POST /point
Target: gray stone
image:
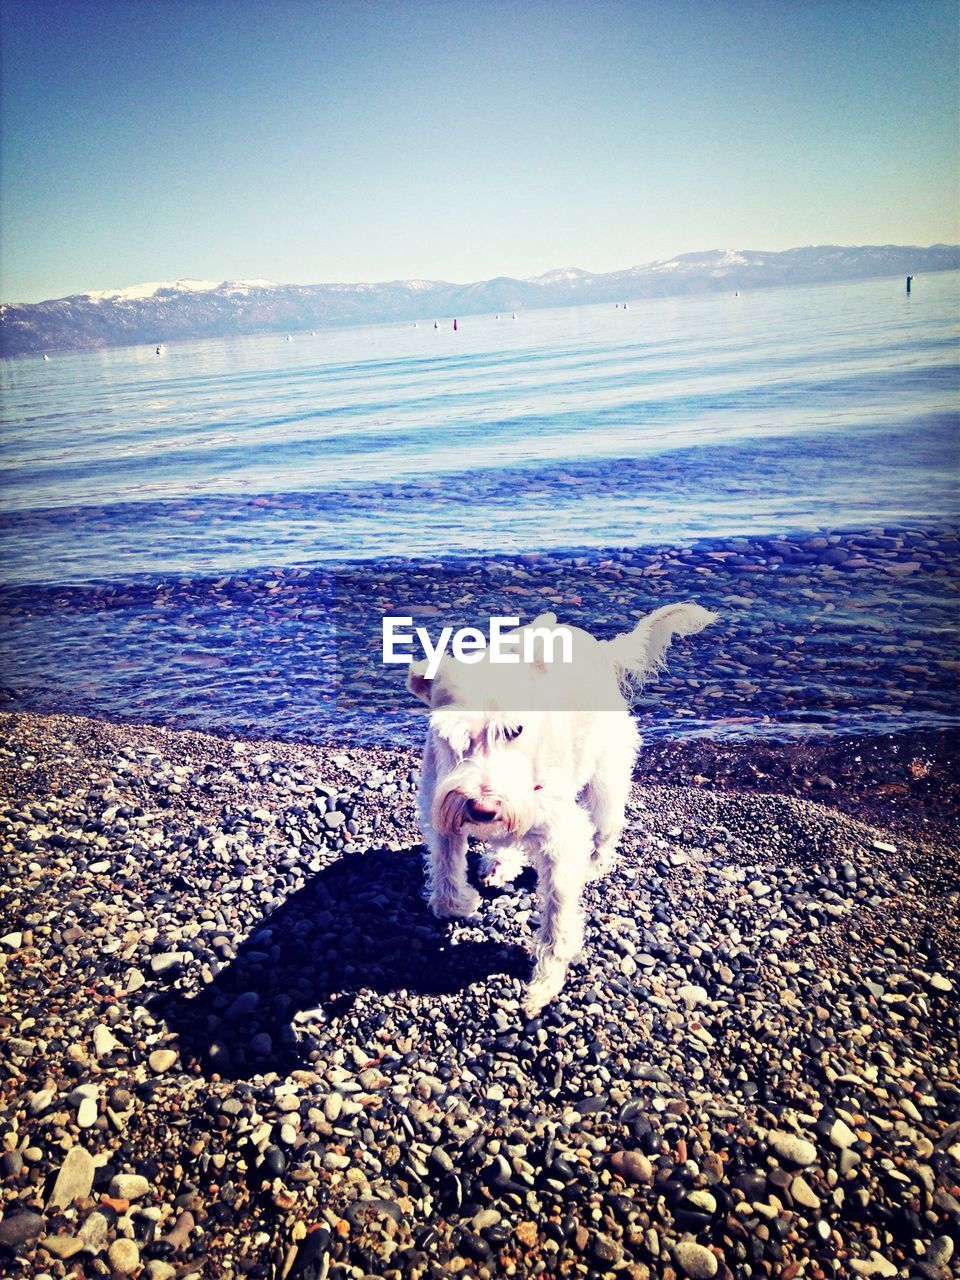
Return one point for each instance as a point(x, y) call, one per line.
point(75, 1179)
point(791, 1149)
point(841, 1135)
point(129, 1186)
point(169, 963)
point(18, 1228)
point(93, 1233)
point(159, 1270)
point(104, 1041)
point(939, 1252)
point(62, 1247)
point(244, 1004)
point(702, 1201)
point(695, 1260)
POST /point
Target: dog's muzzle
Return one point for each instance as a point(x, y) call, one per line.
point(481, 811)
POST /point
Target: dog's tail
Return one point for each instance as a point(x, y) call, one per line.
point(638, 652)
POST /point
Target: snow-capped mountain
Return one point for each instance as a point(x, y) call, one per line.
point(182, 309)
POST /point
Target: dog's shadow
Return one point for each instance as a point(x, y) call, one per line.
point(360, 924)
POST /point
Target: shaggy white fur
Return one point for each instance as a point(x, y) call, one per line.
point(535, 759)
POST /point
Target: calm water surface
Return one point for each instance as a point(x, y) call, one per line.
point(784, 410)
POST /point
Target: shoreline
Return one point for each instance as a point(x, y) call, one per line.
point(223, 993)
point(851, 633)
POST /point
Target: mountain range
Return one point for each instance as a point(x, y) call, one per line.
point(185, 309)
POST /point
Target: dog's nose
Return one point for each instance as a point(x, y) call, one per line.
point(480, 811)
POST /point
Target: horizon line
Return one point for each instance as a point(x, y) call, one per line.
point(261, 282)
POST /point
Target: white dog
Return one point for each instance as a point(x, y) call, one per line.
point(536, 759)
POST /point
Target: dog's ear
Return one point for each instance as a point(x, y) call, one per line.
point(418, 682)
point(641, 650)
point(544, 620)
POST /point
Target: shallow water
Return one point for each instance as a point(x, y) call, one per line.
point(179, 532)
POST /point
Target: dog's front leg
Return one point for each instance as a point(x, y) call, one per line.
point(563, 868)
point(448, 891)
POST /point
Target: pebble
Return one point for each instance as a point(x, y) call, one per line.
point(93, 1233)
point(124, 1257)
point(841, 1135)
point(632, 1166)
point(104, 1041)
point(157, 1269)
point(793, 1150)
point(803, 1195)
point(74, 1180)
point(695, 1260)
point(161, 1060)
point(129, 1186)
point(875, 1265)
point(87, 1112)
point(18, 1227)
point(939, 1251)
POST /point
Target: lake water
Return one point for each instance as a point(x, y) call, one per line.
point(676, 423)
point(783, 410)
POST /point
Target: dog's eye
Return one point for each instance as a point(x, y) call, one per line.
point(513, 731)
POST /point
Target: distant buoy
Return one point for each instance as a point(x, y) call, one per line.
point(455, 326)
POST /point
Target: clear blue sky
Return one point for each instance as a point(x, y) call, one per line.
point(307, 141)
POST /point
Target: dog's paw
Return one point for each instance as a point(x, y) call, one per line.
point(602, 858)
point(452, 908)
point(501, 867)
point(548, 978)
point(532, 1005)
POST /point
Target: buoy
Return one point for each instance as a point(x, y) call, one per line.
point(455, 326)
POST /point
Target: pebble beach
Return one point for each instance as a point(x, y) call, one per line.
point(237, 1044)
